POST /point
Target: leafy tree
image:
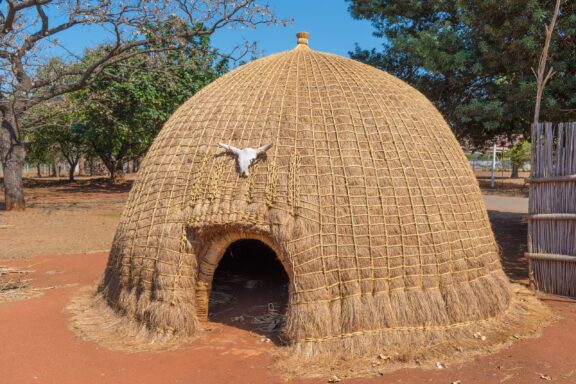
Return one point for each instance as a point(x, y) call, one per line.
point(71, 144)
point(55, 134)
point(474, 59)
point(123, 109)
point(519, 154)
point(40, 152)
point(66, 138)
point(29, 28)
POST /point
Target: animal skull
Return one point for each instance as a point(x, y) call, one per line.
point(246, 156)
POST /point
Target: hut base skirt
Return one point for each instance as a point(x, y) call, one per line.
point(353, 353)
point(370, 352)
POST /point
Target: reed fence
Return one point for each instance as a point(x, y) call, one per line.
point(552, 209)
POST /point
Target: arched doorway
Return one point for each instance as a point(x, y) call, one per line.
point(249, 289)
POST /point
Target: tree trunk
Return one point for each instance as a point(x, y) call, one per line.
point(72, 170)
point(39, 170)
point(515, 169)
point(117, 175)
point(13, 153)
point(115, 167)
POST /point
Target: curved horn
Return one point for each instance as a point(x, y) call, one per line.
point(264, 148)
point(230, 148)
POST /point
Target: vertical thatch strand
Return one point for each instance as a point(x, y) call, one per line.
point(552, 207)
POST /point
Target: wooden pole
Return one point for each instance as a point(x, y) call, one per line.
point(493, 180)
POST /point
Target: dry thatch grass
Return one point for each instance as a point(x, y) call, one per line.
point(93, 320)
point(15, 285)
point(365, 197)
point(438, 345)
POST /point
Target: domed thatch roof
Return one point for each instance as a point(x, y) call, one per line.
point(365, 196)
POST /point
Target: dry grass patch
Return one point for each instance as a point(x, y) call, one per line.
point(15, 285)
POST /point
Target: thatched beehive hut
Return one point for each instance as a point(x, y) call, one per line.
point(365, 196)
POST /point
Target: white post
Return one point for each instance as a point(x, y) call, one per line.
point(493, 166)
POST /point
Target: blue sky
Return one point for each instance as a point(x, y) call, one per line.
point(331, 27)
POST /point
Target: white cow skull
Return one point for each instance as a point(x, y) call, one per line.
point(246, 156)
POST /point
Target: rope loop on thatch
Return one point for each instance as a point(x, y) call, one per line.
point(294, 182)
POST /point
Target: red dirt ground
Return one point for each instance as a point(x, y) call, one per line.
point(38, 347)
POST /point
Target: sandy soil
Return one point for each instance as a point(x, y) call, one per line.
point(62, 218)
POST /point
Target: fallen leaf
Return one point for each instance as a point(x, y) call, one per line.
point(545, 377)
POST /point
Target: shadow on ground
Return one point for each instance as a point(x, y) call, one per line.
point(510, 230)
point(81, 185)
point(99, 185)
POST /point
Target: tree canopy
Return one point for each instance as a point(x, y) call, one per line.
point(59, 135)
point(118, 115)
point(474, 59)
point(121, 112)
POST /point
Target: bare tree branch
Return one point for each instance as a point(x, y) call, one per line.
point(203, 17)
point(541, 76)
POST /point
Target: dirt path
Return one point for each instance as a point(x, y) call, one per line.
point(506, 204)
point(38, 347)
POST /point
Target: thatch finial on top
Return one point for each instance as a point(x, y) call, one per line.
point(302, 38)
